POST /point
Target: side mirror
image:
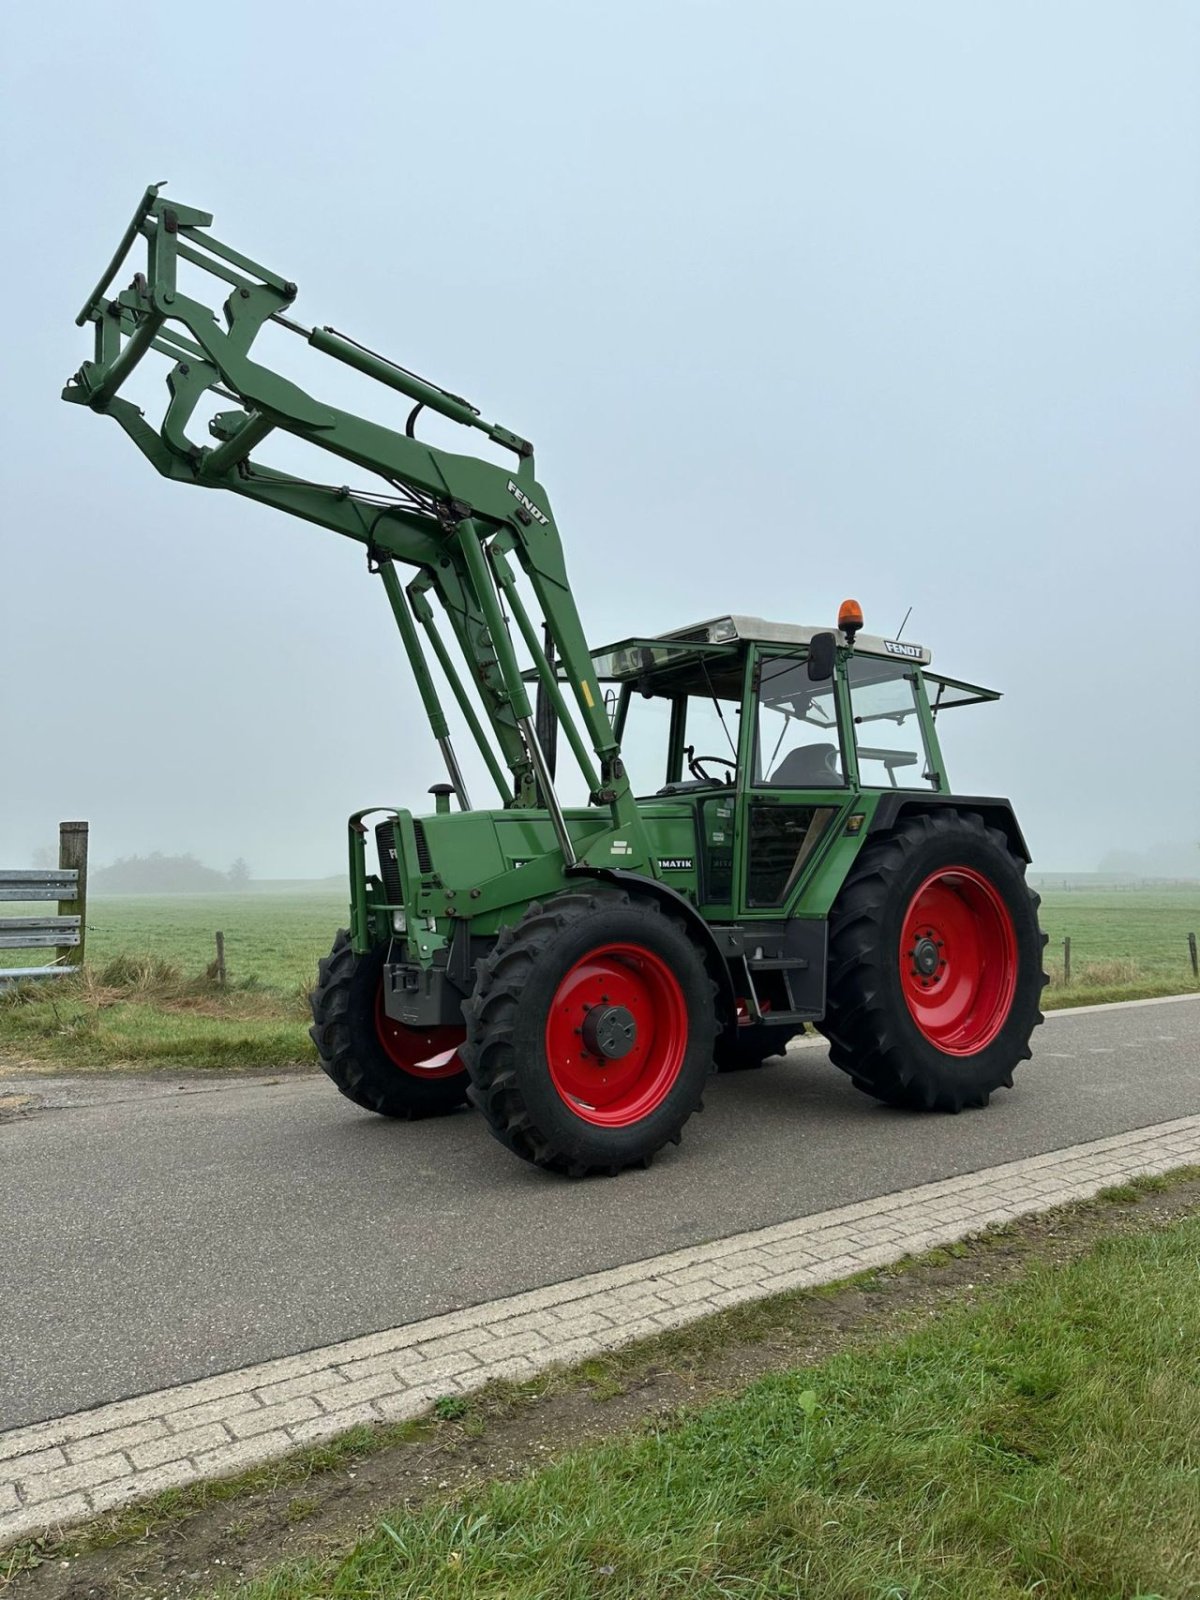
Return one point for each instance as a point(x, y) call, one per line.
point(646, 661)
point(822, 657)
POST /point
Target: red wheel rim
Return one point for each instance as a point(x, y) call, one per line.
point(421, 1052)
point(958, 960)
point(629, 987)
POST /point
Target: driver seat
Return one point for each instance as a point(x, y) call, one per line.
point(811, 766)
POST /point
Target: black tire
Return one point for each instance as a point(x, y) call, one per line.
point(348, 1045)
point(873, 1036)
point(749, 1046)
point(507, 1016)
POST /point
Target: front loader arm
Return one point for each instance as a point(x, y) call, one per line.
point(449, 515)
point(388, 532)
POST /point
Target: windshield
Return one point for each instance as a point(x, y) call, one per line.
point(710, 724)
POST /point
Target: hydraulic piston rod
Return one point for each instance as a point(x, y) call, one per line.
point(425, 683)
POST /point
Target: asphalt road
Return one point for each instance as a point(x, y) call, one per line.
point(153, 1231)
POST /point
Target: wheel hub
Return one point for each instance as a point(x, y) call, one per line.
point(609, 1032)
point(925, 956)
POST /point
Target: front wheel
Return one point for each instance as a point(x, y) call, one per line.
point(935, 965)
point(590, 1033)
point(378, 1063)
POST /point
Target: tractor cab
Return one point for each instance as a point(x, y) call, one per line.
point(772, 732)
point(741, 700)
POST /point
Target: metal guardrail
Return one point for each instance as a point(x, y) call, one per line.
point(63, 931)
point(33, 933)
point(37, 885)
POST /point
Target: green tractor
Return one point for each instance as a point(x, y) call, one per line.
point(790, 853)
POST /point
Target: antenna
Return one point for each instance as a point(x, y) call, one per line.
point(900, 629)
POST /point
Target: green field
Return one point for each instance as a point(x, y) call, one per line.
point(273, 940)
point(146, 999)
point(1120, 939)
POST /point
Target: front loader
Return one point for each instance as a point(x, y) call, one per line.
point(790, 855)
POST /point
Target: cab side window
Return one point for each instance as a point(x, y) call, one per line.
point(888, 736)
point(798, 745)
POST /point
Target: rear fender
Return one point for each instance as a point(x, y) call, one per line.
point(995, 813)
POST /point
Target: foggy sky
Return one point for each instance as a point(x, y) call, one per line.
point(797, 301)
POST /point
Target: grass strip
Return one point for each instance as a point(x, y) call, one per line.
point(1044, 1442)
point(142, 1012)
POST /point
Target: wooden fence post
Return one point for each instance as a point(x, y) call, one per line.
point(1067, 959)
point(220, 961)
point(1192, 953)
point(73, 857)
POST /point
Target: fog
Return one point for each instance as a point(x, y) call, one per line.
point(797, 301)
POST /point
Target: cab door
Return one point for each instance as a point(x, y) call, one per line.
point(791, 805)
point(795, 785)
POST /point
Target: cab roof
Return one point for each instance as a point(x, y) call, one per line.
point(732, 630)
point(722, 630)
point(716, 641)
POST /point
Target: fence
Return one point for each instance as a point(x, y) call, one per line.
point(64, 933)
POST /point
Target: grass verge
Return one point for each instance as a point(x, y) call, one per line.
point(139, 1011)
point(1044, 1443)
point(1004, 1413)
point(1102, 990)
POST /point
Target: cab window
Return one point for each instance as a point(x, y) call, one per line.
point(710, 733)
point(888, 736)
point(645, 741)
point(797, 745)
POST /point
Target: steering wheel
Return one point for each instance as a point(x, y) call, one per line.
point(696, 767)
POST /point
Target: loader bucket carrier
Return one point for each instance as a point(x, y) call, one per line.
point(454, 518)
point(792, 854)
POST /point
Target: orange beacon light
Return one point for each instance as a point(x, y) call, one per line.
point(850, 618)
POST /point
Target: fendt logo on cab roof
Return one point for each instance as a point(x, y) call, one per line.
point(534, 512)
point(912, 651)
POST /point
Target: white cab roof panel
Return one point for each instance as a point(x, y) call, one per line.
point(719, 630)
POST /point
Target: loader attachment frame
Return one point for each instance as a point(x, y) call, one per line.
point(454, 518)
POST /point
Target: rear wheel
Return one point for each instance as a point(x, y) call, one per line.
point(935, 965)
point(590, 1033)
point(378, 1063)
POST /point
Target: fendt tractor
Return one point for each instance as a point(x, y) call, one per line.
point(791, 855)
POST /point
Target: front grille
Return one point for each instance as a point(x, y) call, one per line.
point(389, 867)
point(424, 859)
